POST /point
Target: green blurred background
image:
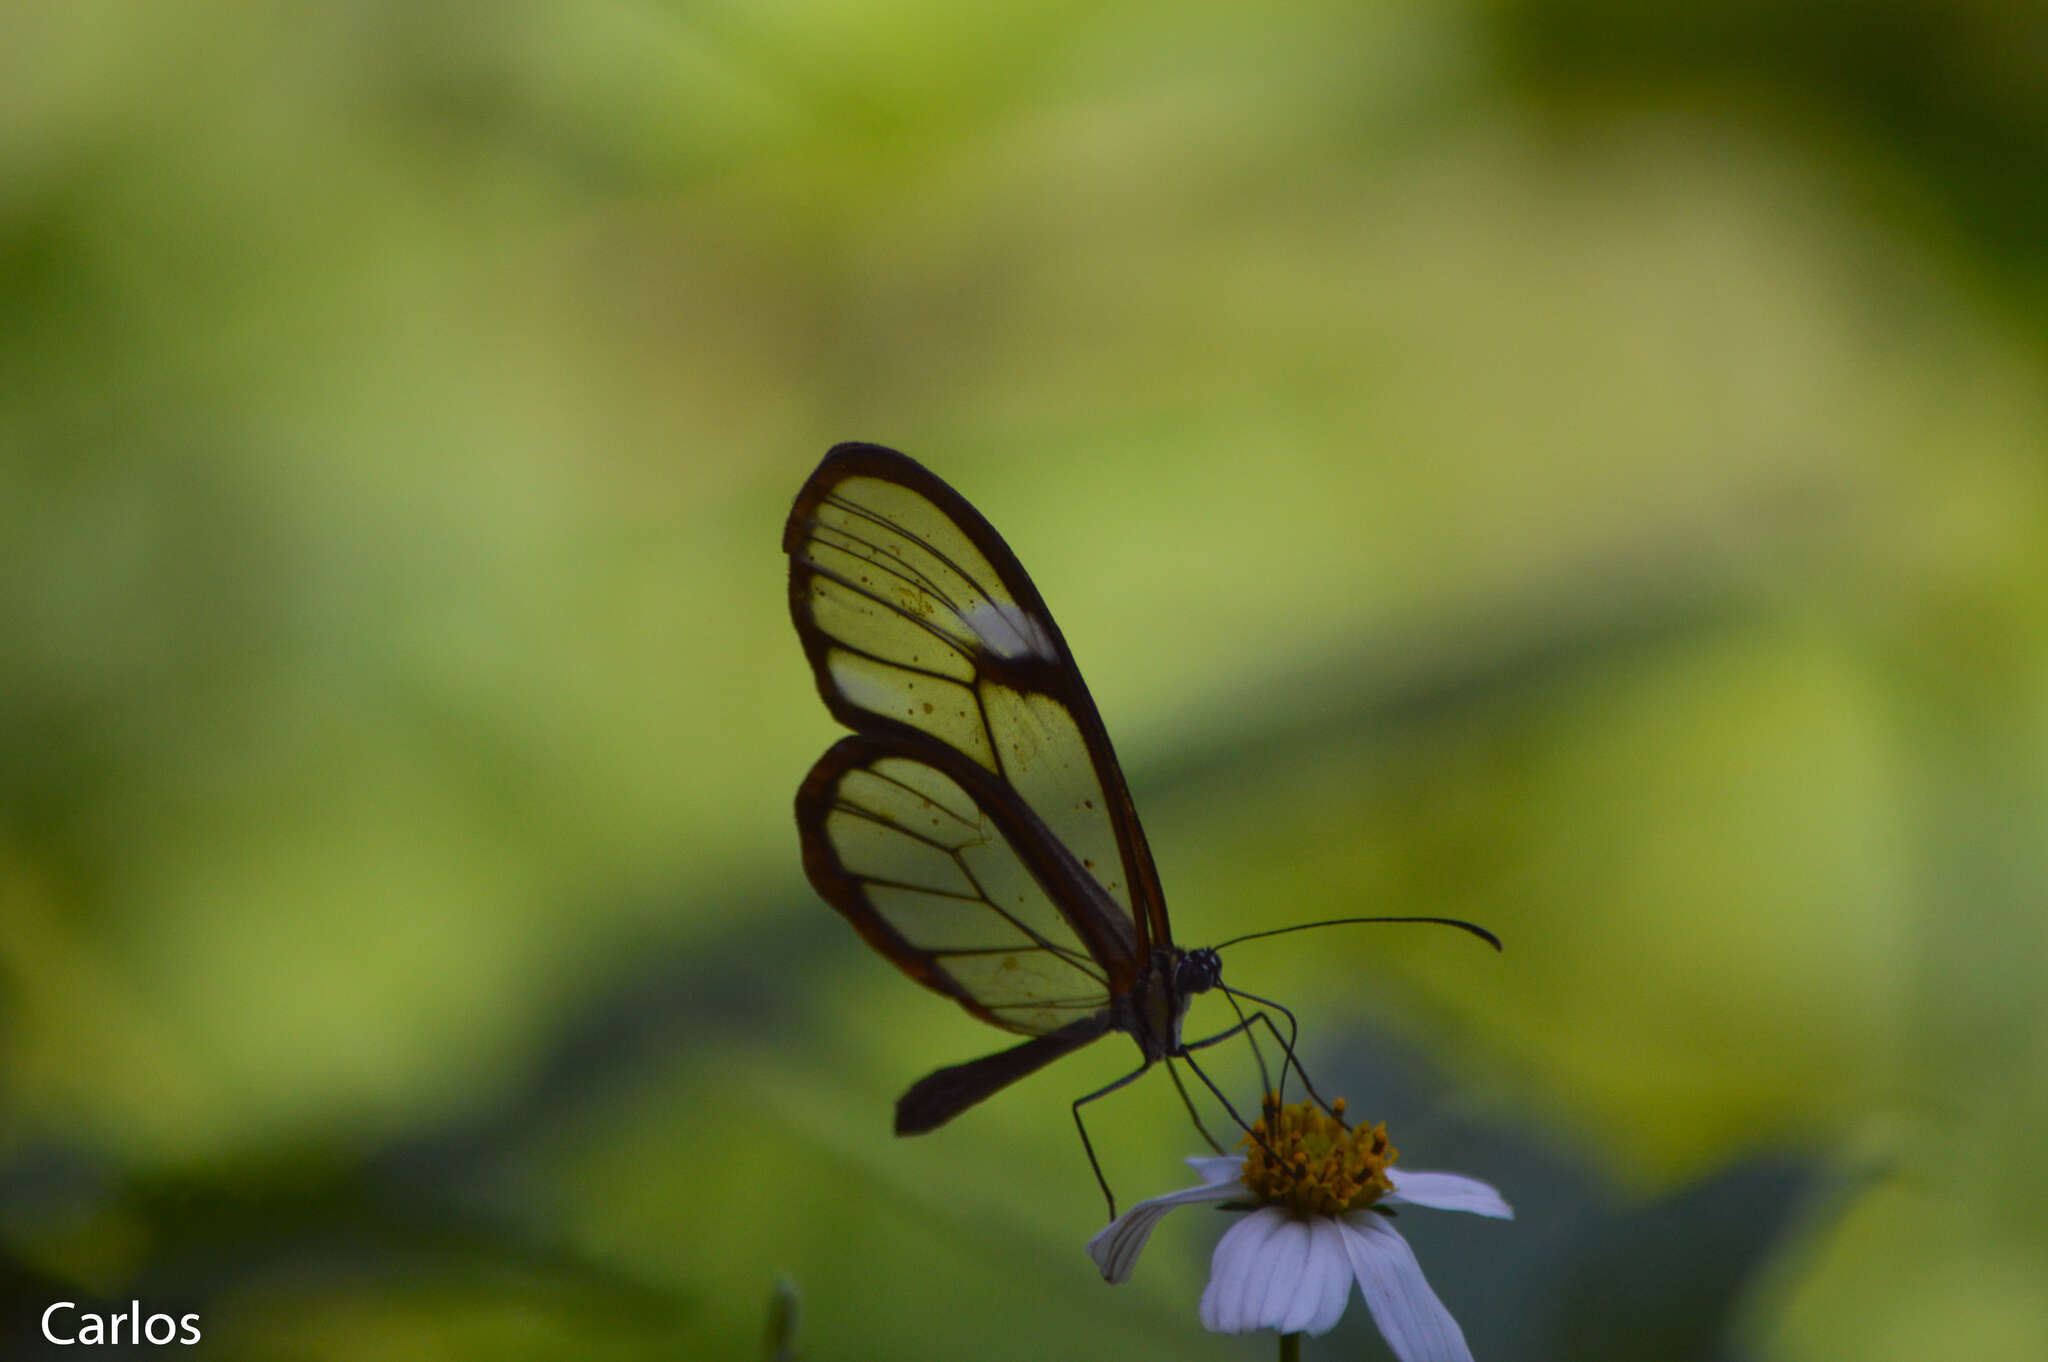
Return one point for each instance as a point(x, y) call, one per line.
point(1568, 464)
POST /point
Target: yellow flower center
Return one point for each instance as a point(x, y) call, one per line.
point(1307, 1159)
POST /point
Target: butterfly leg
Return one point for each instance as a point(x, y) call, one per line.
point(1087, 1145)
point(1286, 1044)
point(1183, 1053)
point(1258, 1055)
point(1189, 1103)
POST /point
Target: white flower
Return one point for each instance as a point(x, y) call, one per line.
point(1315, 1227)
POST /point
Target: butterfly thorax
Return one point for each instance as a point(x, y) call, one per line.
point(1151, 1012)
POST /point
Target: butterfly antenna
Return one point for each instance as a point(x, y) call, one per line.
point(1474, 928)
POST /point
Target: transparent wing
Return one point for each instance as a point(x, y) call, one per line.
point(920, 851)
point(918, 619)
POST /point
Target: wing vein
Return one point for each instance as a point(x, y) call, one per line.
point(876, 518)
point(916, 793)
point(880, 883)
point(1030, 933)
point(833, 575)
point(880, 558)
point(1078, 961)
point(883, 821)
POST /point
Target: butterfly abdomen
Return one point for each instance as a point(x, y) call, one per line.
point(943, 1094)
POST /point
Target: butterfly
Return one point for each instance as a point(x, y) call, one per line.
point(975, 828)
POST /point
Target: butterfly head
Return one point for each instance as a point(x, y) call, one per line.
point(1197, 972)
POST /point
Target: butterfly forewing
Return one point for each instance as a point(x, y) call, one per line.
point(937, 881)
point(919, 620)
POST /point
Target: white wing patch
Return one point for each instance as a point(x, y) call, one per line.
point(1008, 631)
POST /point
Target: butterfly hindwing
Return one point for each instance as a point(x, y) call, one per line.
point(945, 873)
point(919, 621)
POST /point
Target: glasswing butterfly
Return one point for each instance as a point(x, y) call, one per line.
point(975, 827)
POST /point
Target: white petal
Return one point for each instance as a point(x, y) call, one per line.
point(1277, 1275)
point(1411, 1318)
point(1326, 1283)
point(1219, 1168)
point(1447, 1192)
point(1230, 1301)
point(1115, 1248)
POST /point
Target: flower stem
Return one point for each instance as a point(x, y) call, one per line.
point(1290, 1348)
